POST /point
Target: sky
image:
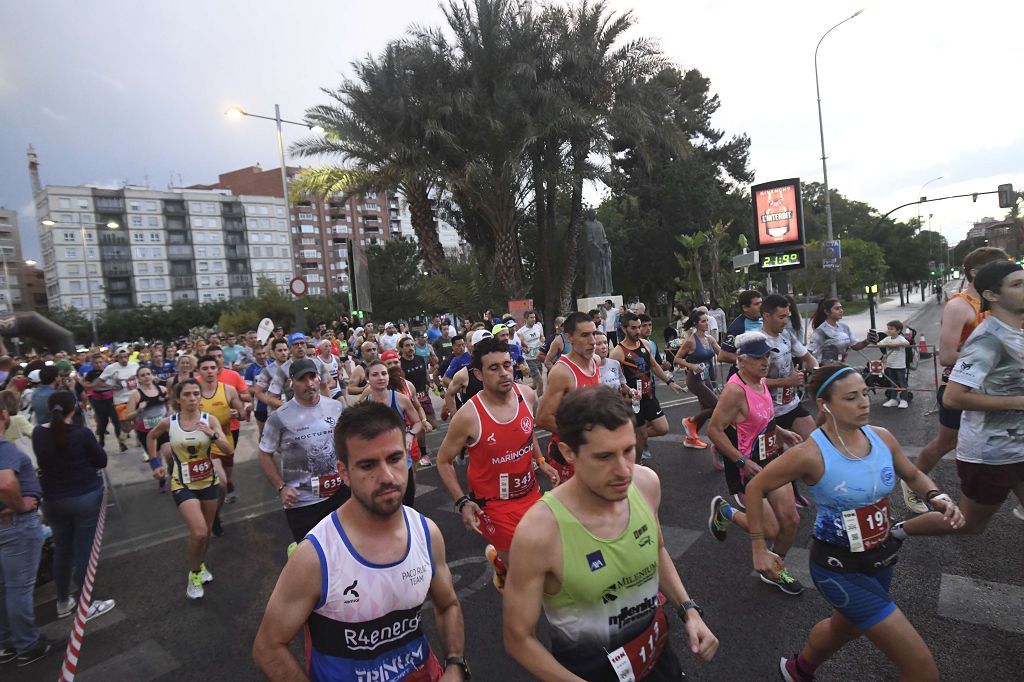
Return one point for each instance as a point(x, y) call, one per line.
point(115, 91)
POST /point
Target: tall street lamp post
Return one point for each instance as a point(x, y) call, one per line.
point(85, 261)
point(824, 167)
point(237, 113)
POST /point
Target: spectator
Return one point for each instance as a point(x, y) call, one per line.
point(21, 543)
point(49, 377)
point(19, 426)
point(69, 457)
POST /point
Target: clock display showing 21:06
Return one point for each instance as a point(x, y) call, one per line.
point(777, 260)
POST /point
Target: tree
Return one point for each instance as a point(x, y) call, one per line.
point(270, 301)
point(692, 260)
point(862, 263)
point(395, 279)
point(74, 320)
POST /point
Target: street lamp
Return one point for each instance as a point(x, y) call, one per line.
point(236, 113)
point(824, 166)
point(111, 224)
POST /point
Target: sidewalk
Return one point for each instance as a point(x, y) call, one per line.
point(889, 309)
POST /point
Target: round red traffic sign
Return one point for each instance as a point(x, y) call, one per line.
point(298, 286)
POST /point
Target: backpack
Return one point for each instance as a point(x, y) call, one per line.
point(910, 334)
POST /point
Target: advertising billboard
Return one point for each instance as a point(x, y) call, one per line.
point(778, 214)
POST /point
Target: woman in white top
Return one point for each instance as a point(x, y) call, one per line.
point(831, 339)
point(611, 370)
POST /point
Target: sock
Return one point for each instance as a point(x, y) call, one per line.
point(898, 532)
point(728, 511)
point(805, 667)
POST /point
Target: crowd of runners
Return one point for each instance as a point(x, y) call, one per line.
point(572, 531)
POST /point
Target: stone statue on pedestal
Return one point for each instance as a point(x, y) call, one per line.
point(597, 254)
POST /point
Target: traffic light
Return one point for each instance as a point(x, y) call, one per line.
point(1007, 198)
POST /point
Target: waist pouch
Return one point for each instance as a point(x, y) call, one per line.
point(841, 560)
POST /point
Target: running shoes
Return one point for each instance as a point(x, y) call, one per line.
point(786, 583)
point(718, 523)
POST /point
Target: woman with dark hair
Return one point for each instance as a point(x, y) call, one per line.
point(147, 406)
point(831, 339)
point(850, 469)
point(69, 459)
point(696, 355)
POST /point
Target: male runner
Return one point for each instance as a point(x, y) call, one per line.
point(531, 337)
point(462, 384)
point(358, 581)
point(223, 402)
point(503, 333)
point(576, 369)
point(300, 432)
point(417, 372)
point(274, 384)
point(602, 597)
point(640, 368)
point(496, 427)
point(367, 355)
point(556, 345)
point(252, 371)
point(784, 379)
point(120, 376)
point(443, 349)
point(747, 321)
point(961, 316)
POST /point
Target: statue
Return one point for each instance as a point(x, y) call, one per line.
point(597, 253)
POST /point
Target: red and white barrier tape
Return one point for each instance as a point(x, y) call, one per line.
point(67, 670)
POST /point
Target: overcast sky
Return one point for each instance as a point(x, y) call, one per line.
point(135, 91)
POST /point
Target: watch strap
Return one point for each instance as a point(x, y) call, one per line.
point(462, 663)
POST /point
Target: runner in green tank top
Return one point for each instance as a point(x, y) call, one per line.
point(592, 556)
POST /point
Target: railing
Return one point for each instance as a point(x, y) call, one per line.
point(183, 282)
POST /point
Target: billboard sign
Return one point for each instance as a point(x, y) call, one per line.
point(778, 214)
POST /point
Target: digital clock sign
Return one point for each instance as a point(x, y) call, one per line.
point(787, 259)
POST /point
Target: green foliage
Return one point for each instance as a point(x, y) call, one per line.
point(862, 263)
point(270, 301)
point(464, 291)
point(395, 279)
point(74, 320)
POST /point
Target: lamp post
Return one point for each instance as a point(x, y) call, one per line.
point(85, 261)
point(824, 165)
point(237, 113)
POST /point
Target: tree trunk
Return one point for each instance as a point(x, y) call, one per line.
point(544, 229)
point(572, 233)
point(715, 269)
point(425, 227)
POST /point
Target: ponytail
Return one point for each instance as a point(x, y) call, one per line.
point(61, 404)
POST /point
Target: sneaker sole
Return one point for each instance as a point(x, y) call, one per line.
point(783, 672)
point(711, 518)
point(781, 587)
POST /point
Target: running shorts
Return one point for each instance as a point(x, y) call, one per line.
point(989, 484)
point(786, 420)
point(536, 367)
point(203, 494)
point(425, 403)
point(650, 410)
point(864, 599)
point(227, 460)
point(499, 519)
point(947, 417)
point(555, 459)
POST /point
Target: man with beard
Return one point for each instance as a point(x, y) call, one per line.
point(417, 371)
point(366, 569)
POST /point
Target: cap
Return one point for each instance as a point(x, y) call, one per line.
point(495, 330)
point(65, 365)
point(121, 349)
point(481, 334)
point(756, 349)
point(296, 336)
point(389, 355)
point(390, 324)
point(300, 368)
point(511, 324)
point(990, 277)
point(33, 376)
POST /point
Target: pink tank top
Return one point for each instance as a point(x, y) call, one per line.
point(760, 413)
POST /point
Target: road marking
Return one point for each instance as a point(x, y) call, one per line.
point(147, 661)
point(678, 540)
point(422, 490)
point(981, 602)
point(797, 566)
point(59, 629)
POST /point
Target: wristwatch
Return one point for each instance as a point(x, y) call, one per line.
point(462, 663)
point(686, 606)
point(741, 461)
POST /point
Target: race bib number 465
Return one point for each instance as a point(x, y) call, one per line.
point(196, 470)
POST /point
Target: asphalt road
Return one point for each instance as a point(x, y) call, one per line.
point(965, 595)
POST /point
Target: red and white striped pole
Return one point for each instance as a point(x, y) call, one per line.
point(70, 666)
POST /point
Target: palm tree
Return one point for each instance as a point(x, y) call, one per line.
point(381, 124)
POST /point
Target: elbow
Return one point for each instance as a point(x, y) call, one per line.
point(953, 400)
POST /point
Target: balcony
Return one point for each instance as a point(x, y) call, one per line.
point(232, 209)
point(121, 301)
point(180, 252)
point(240, 280)
point(175, 208)
point(234, 225)
point(111, 204)
point(241, 292)
point(115, 253)
point(183, 282)
point(177, 238)
point(237, 251)
point(111, 238)
point(117, 269)
point(176, 224)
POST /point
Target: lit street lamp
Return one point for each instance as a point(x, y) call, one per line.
point(824, 166)
point(113, 225)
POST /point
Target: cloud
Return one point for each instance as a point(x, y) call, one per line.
point(50, 113)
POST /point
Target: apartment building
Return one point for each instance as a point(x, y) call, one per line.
point(11, 296)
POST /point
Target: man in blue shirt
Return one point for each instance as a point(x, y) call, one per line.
point(748, 321)
point(434, 330)
point(48, 377)
point(462, 354)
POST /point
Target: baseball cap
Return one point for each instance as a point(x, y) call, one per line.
point(495, 330)
point(511, 324)
point(33, 376)
point(121, 349)
point(296, 336)
point(990, 277)
point(301, 368)
point(757, 348)
point(65, 365)
point(389, 355)
point(481, 334)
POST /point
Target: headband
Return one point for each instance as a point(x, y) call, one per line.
point(832, 378)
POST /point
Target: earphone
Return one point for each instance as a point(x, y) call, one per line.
point(825, 407)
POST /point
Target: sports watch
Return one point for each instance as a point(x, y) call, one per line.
point(686, 606)
point(462, 663)
point(741, 461)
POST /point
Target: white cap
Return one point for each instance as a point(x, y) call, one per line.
point(33, 376)
point(481, 334)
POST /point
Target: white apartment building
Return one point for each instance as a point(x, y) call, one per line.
point(11, 299)
point(146, 247)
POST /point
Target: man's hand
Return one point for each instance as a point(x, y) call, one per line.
point(796, 378)
point(548, 471)
point(445, 413)
point(29, 503)
point(159, 473)
point(752, 468)
point(471, 515)
point(453, 673)
point(703, 642)
point(289, 496)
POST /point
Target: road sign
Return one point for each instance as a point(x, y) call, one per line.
point(745, 260)
point(298, 286)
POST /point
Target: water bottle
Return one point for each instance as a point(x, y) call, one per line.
point(636, 397)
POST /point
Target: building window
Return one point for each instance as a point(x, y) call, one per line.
point(154, 237)
point(158, 268)
point(142, 268)
point(150, 205)
point(201, 252)
point(63, 202)
point(76, 286)
point(305, 216)
point(69, 237)
point(153, 221)
point(136, 221)
point(210, 208)
point(204, 266)
point(73, 269)
point(134, 206)
point(146, 298)
point(67, 217)
point(141, 252)
point(138, 237)
point(84, 204)
point(215, 251)
point(72, 253)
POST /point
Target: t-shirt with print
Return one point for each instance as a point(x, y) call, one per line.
point(122, 379)
point(279, 382)
point(11, 457)
point(785, 398)
point(303, 440)
point(611, 374)
point(831, 344)
point(992, 362)
point(532, 339)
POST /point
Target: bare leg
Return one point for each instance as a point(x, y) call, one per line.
point(768, 521)
point(787, 518)
point(641, 442)
point(976, 518)
point(930, 454)
point(198, 532)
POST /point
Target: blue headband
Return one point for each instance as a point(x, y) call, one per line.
point(832, 378)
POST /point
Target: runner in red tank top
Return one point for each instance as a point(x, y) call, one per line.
point(496, 428)
point(577, 369)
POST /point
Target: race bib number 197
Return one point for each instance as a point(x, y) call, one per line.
point(868, 526)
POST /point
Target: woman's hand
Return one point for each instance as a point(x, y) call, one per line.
point(768, 563)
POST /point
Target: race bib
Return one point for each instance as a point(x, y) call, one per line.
point(635, 659)
point(326, 485)
point(196, 470)
point(784, 395)
point(868, 526)
point(703, 371)
point(421, 396)
point(148, 423)
point(512, 486)
point(768, 445)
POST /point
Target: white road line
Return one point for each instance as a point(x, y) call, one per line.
point(996, 605)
